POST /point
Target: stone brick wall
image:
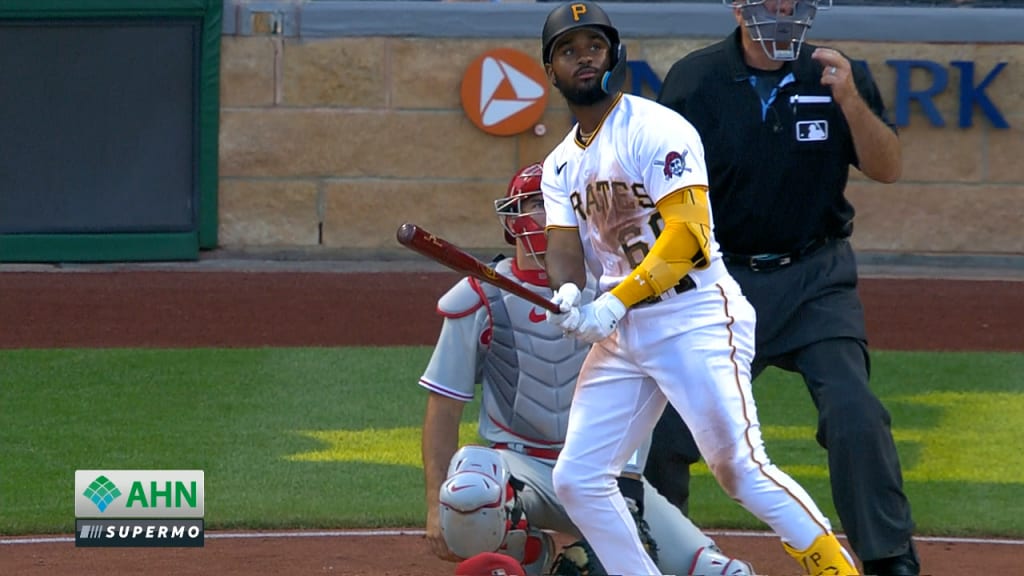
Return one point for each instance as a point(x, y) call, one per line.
point(333, 143)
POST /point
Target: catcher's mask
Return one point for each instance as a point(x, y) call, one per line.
point(574, 15)
point(517, 223)
point(779, 25)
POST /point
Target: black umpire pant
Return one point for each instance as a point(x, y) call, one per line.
point(853, 425)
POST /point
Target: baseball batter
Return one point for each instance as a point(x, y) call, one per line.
point(501, 497)
point(629, 184)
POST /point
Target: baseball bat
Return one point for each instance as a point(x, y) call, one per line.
point(443, 252)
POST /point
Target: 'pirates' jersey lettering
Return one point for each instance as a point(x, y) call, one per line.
point(642, 197)
point(621, 196)
point(596, 197)
point(577, 205)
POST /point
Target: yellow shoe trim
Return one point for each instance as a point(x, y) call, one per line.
point(825, 557)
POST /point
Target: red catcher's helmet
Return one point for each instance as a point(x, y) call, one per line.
point(489, 564)
point(517, 224)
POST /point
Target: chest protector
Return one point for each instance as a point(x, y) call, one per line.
point(530, 368)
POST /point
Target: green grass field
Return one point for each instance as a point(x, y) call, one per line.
point(329, 437)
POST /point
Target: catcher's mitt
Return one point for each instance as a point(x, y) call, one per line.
point(577, 559)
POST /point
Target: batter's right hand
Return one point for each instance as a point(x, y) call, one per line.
point(435, 538)
point(599, 318)
point(567, 298)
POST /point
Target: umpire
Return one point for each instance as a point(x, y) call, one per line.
point(781, 124)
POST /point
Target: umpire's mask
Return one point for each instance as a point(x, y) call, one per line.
point(779, 25)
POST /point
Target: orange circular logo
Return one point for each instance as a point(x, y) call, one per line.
point(504, 92)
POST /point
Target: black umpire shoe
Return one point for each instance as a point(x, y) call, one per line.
point(906, 564)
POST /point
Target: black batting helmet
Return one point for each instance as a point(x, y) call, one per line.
point(573, 15)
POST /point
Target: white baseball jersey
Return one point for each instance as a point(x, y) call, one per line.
point(609, 188)
point(692, 348)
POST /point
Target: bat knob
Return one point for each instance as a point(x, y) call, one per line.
point(405, 233)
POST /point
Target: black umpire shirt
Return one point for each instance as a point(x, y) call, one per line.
point(777, 168)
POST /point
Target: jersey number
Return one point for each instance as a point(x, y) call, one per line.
point(637, 249)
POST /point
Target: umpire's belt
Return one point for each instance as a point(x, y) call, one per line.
point(769, 262)
point(685, 283)
point(545, 453)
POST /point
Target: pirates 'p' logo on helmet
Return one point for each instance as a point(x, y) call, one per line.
point(573, 16)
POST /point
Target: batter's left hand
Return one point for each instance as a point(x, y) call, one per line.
point(836, 74)
point(567, 298)
point(599, 318)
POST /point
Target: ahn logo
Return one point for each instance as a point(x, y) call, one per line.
point(504, 92)
point(102, 492)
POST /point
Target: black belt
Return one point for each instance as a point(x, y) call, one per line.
point(686, 283)
point(769, 262)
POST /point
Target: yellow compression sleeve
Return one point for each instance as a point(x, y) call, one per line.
point(682, 246)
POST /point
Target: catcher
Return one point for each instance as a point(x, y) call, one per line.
point(499, 497)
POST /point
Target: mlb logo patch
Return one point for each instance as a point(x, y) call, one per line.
point(812, 130)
